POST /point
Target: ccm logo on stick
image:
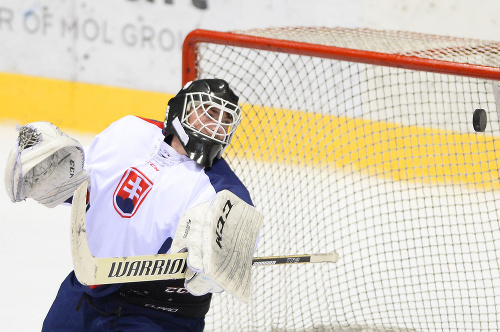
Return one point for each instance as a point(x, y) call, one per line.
point(221, 222)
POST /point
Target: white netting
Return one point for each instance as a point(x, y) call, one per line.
point(379, 164)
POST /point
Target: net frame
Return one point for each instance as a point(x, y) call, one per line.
point(392, 307)
point(397, 60)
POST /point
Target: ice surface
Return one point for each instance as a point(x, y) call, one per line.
point(35, 250)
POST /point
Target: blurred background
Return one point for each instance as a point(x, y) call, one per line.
point(84, 63)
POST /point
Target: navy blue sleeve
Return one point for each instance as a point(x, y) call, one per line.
point(222, 177)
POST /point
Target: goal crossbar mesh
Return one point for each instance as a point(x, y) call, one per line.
point(366, 148)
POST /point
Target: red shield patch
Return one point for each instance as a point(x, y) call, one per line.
point(131, 192)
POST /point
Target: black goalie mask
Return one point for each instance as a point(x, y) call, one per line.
point(204, 116)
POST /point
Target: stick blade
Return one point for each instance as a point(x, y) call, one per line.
point(83, 262)
point(91, 270)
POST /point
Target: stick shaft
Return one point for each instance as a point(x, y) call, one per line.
point(168, 266)
point(295, 259)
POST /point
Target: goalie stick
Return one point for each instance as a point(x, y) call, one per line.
point(91, 270)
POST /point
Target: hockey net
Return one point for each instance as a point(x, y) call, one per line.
point(362, 142)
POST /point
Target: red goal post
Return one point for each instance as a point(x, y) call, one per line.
point(189, 55)
point(361, 141)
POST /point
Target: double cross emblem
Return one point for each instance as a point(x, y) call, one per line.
point(133, 188)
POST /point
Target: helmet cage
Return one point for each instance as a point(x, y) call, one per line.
point(204, 116)
point(212, 117)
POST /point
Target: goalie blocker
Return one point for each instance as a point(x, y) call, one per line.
point(219, 239)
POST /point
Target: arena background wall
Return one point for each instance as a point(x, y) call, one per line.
point(84, 63)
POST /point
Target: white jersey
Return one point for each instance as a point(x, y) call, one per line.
point(140, 187)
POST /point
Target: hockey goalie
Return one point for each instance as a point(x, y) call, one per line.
point(149, 188)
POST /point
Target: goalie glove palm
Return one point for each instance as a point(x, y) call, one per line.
point(45, 165)
point(189, 237)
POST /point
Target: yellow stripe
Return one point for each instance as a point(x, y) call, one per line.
point(71, 105)
point(377, 148)
point(273, 135)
